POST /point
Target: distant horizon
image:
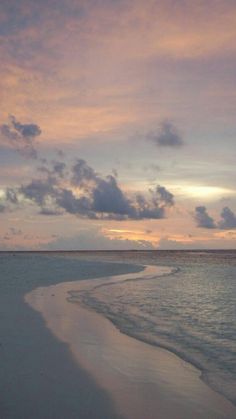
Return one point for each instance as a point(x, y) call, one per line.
point(117, 250)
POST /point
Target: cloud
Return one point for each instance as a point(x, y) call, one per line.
point(166, 197)
point(59, 168)
point(95, 240)
point(82, 173)
point(49, 211)
point(38, 190)
point(15, 231)
point(2, 207)
point(9, 200)
point(109, 198)
point(55, 169)
point(154, 208)
point(79, 190)
point(66, 199)
point(20, 136)
point(11, 196)
point(166, 136)
point(227, 221)
point(203, 219)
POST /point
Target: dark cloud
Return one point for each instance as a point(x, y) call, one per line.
point(89, 195)
point(20, 136)
point(155, 206)
point(148, 208)
point(166, 136)
point(105, 194)
point(203, 219)
point(228, 219)
point(55, 169)
point(66, 199)
point(11, 196)
point(82, 173)
point(164, 196)
point(26, 130)
point(108, 198)
point(38, 190)
point(9, 200)
point(59, 168)
point(2, 207)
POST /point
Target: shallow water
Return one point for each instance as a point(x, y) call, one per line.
point(192, 311)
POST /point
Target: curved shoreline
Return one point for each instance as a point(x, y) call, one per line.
point(148, 270)
point(39, 378)
point(60, 292)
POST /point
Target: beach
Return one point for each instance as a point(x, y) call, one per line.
point(63, 358)
point(38, 376)
point(142, 381)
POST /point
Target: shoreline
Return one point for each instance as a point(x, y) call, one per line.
point(212, 404)
point(38, 377)
point(162, 271)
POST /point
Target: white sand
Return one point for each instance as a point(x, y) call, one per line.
point(144, 382)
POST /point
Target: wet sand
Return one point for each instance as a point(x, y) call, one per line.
point(144, 382)
point(39, 379)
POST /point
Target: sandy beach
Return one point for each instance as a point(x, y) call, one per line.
point(39, 379)
point(142, 382)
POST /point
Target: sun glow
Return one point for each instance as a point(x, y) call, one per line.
point(136, 235)
point(202, 191)
point(2, 193)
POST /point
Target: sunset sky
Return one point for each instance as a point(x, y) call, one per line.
point(117, 124)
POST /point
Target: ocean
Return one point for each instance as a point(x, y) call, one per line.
point(189, 309)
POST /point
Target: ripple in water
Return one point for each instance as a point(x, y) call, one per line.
point(191, 311)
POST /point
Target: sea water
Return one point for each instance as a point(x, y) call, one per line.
point(191, 311)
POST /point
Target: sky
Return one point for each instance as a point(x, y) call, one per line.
point(117, 124)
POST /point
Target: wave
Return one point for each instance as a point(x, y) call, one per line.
point(137, 322)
